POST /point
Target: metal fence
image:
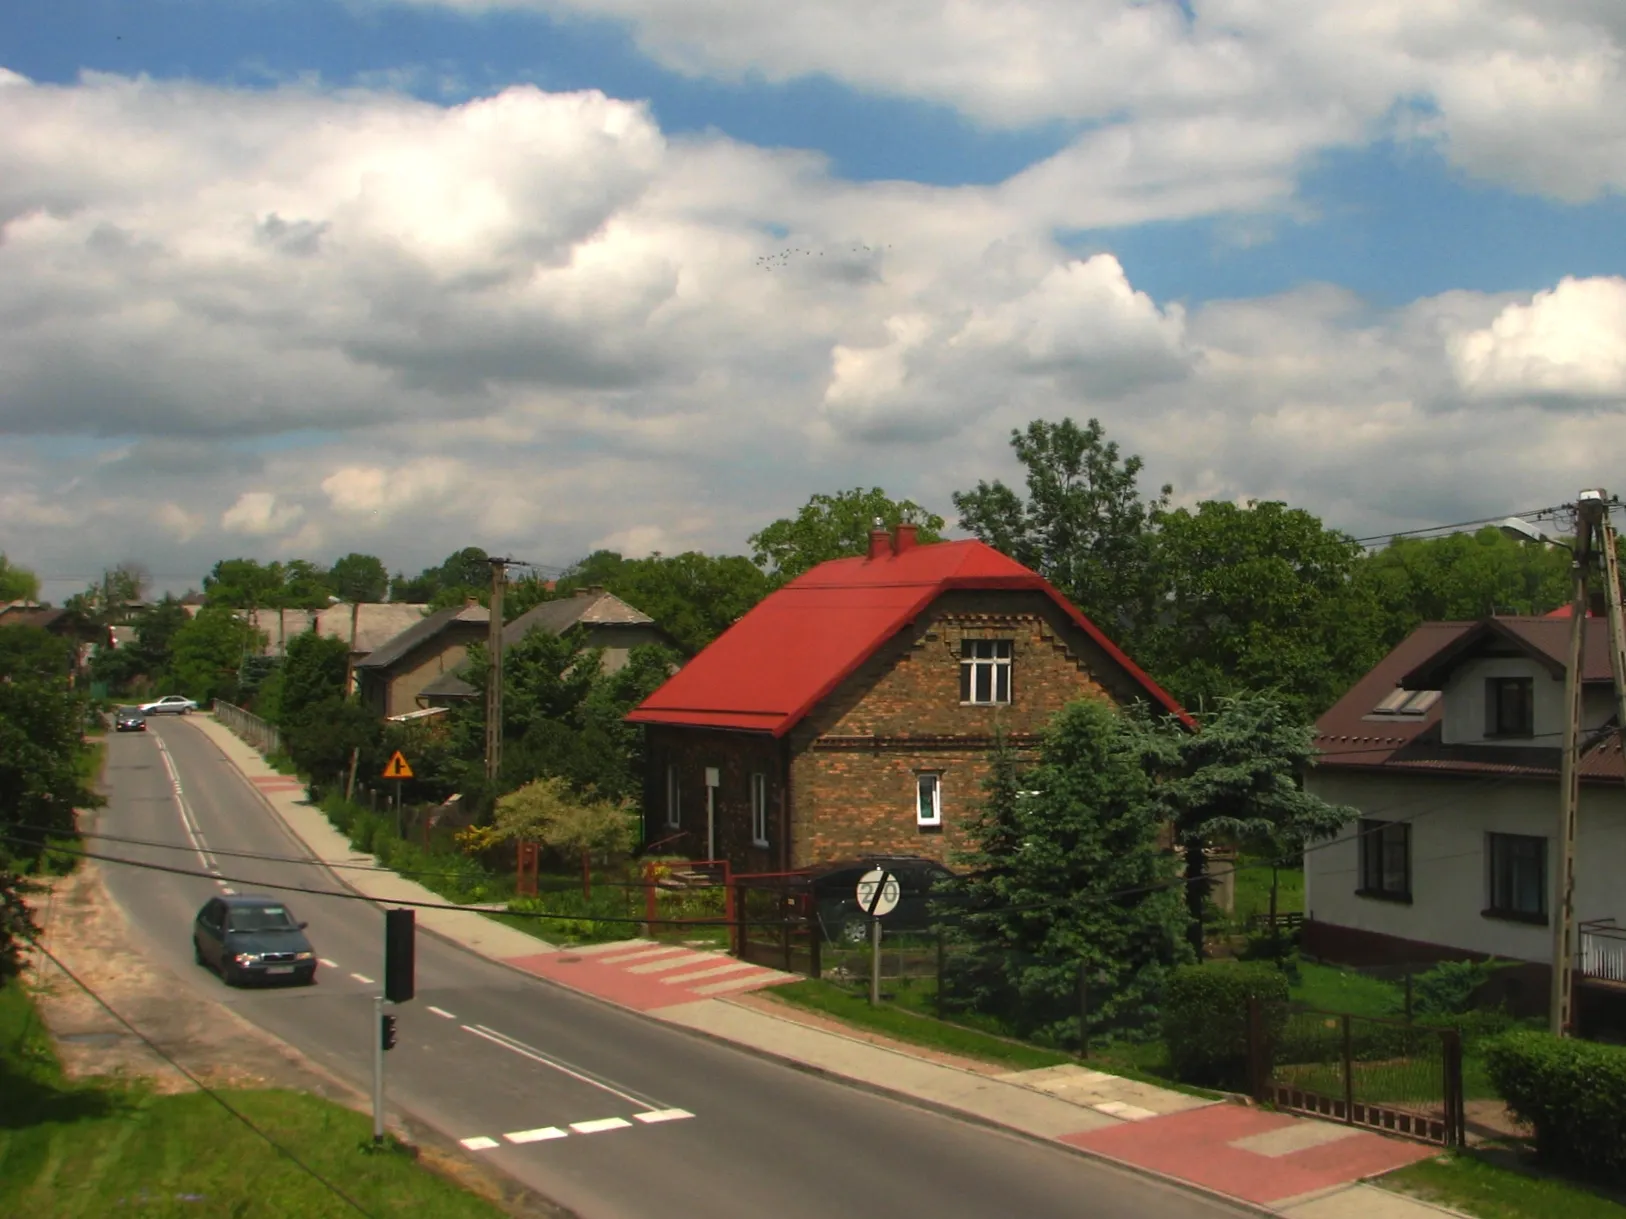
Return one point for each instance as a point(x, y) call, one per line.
point(1386, 1075)
point(1603, 950)
point(259, 733)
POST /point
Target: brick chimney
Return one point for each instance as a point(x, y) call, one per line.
point(880, 541)
point(904, 537)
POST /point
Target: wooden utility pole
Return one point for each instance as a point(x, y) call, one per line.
point(499, 578)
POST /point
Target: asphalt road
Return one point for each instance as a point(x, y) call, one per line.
point(486, 1052)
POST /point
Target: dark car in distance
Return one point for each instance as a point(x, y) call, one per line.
point(833, 891)
point(252, 939)
point(129, 719)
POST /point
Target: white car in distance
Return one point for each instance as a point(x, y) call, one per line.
point(170, 704)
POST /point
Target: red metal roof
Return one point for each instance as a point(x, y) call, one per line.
point(776, 663)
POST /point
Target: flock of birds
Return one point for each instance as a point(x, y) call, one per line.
point(774, 262)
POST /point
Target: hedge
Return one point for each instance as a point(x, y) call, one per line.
point(1573, 1093)
point(1205, 1019)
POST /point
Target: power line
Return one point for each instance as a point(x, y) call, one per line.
point(199, 1084)
point(1533, 514)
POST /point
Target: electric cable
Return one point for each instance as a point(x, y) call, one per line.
point(199, 1084)
point(1534, 514)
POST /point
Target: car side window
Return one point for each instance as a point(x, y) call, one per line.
point(214, 915)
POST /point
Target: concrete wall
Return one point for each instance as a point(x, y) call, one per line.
point(1450, 817)
point(1464, 703)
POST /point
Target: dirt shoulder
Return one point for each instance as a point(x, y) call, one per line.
point(86, 931)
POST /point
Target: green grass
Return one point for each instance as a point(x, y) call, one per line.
point(1253, 891)
point(1337, 990)
point(95, 1148)
point(90, 760)
point(1491, 1191)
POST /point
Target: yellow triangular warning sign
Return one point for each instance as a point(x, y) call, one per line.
point(397, 767)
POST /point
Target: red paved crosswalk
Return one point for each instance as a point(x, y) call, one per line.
point(644, 975)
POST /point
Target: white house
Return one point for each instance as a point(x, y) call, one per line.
point(1450, 750)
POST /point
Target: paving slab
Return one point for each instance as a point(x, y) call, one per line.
point(1085, 1086)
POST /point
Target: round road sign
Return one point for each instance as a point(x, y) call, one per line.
point(878, 892)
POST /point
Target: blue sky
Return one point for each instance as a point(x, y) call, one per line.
point(1371, 262)
point(1390, 223)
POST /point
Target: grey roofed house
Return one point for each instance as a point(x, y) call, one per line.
point(390, 677)
point(610, 623)
point(368, 625)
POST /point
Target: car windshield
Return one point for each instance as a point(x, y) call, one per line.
point(260, 918)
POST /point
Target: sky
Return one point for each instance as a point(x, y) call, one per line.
point(294, 278)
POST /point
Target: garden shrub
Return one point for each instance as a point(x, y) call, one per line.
point(1572, 1093)
point(1449, 988)
point(1205, 1019)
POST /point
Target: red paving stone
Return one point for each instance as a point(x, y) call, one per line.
point(610, 978)
point(1195, 1146)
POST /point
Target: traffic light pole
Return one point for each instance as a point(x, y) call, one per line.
point(378, 1070)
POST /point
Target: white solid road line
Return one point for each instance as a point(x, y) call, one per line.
point(480, 1143)
point(193, 831)
point(663, 1115)
point(601, 1125)
point(363, 979)
point(445, 1015)
point(542, 1134)
point(535, 1055)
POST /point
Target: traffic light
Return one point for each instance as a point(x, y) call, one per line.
point(400, 952)
point(386, 1032)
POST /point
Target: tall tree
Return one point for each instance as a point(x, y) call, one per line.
point(1068, 874)
point(245, 584)
point(693, 597)
point(17, 583)
point(304, 586)
point(28, 653)
point(111, 598)
point(359, 578)
point(207, 653)
point(1257, 597)
point(1237, 782)
point(1083, 526)
point(834, 527)
point(313, 673)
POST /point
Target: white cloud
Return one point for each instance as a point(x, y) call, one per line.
point(1529, 93)
point(1566, 343)
point(258, 514)
point(303, 324)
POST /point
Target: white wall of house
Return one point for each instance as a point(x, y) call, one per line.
point(1451, 817)
point(1464, 703)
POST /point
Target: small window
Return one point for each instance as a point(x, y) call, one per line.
point(985, 671)
point(1510, 707)
point(1518, 876)
point(1385, 860)
point(674, 813)
point(929, 799)
point(1392, 702)
point(759, 809)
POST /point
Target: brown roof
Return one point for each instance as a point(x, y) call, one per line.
point(1350, 735)
point(420, 631)
point(588, 607)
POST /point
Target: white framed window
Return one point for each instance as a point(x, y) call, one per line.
point(759, 810)
point(674, 812)
point(928, 799)
point(985, 671)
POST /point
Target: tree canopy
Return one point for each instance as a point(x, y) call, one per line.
point(31, 653)
point(359, 578)
point(693, 597)
point(834, 527)
point(17, 583)
point(1084, 524)
point(207, 653)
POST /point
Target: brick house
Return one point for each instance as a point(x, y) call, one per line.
point(853, 711)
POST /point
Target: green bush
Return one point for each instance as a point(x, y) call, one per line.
point(1573, 1093)
point(1205, 1019)
point(1449, 988)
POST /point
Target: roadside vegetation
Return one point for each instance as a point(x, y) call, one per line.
point(86, 1149)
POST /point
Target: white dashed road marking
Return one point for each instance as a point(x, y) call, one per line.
point(229, 892)
point(535, 1136)
point(363, 979)
point(328, 963)
point(663, 1115)
point(601, 1124)
point(444, 1015)
point(480, 1143)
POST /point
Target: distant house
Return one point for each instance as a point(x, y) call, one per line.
point(853, 711)
point(607, 622)
point(1450, 749)
point(391, 675)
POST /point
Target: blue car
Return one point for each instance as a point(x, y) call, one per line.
point(252, 939)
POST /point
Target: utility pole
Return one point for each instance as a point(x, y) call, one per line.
point(1591, 521)
point(499, 578)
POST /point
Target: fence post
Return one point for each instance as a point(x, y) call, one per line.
point(1455, 1107)
point(815, 948)
point(937, 996)
point(1349, 1073)
point(1083, 1010)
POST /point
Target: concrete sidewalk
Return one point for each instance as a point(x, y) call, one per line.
point(1271, 1163)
